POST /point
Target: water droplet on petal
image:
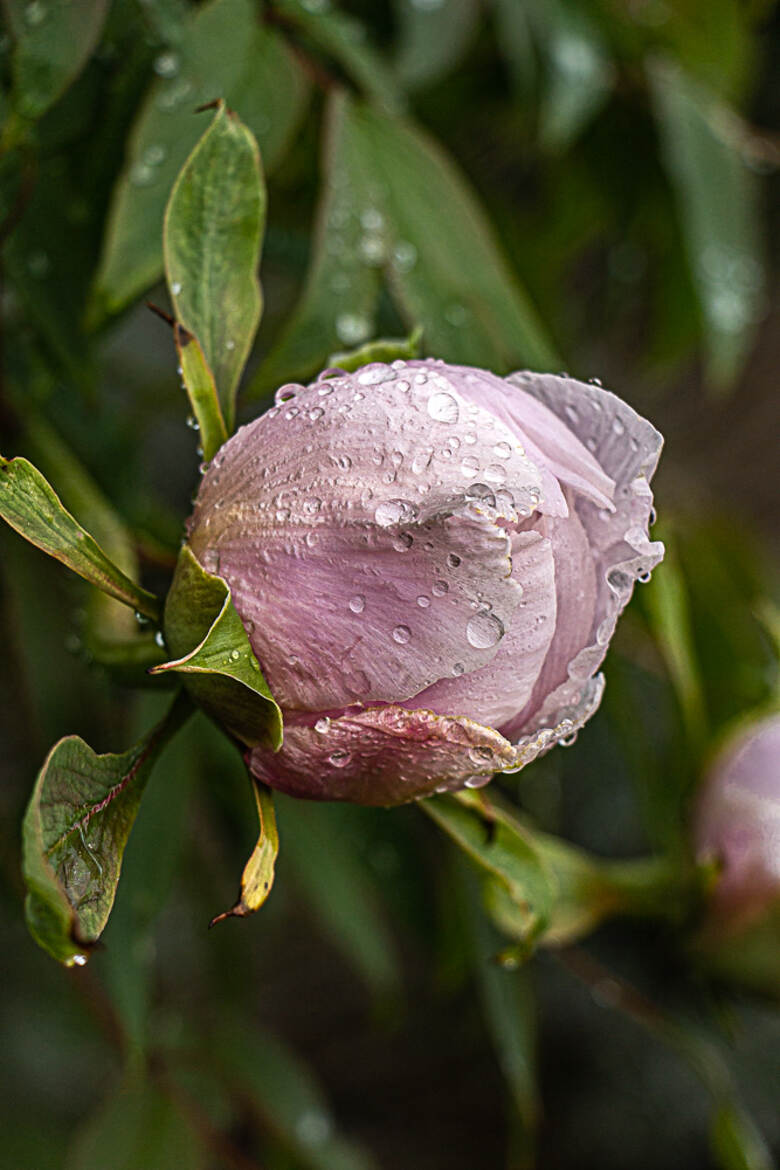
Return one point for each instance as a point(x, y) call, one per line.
point(469, 464)
point(458, 669)
point(502, 450)
point(322, 725)
point(403, 541)
point(443, 407)
point(402, 634)
point(453, 560)
point(423, 601)
point(439, 588)
point(484, 630)
point(339, 759)
point(357, 603)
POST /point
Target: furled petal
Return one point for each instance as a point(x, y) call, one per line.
point(381, 756)
point(551, 440)
point(497, 691)
point(357, 525)
point(627, 447)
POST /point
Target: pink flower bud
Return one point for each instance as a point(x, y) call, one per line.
point(429, 561)
point(737, 822)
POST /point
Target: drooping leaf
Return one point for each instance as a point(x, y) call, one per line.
point(258, 875)
point(444, 266)
point(347, 904)
point(283, 1090)
point(226, 52)
point(212, 234)
point(383, 350)
point(29, 504)
point(111, 632)
point(395, 202)
point(343, 38)
point(717, 197)
point(201, 391)
point(75, 830)
point(668, 607)
point(578, 71)
point(432, 38)
point(52, 43)
point(502, 848)
point(338, 302)
point(736, 1142)
point(137, 1126)
point(508, 1005)
point(215, 656)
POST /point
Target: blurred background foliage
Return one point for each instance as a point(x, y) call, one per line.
point(549, 183)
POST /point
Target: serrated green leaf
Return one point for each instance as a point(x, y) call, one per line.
point(344, 39)
point(505, 850)
point(225, 51)
point(201, 391)
point(338, 303)
point(717, 197)
point(75, 830)
point(215, 656)
point(258, 876)
point(432, 38)
point(29, 504)
point(137, 1126)
point(212, 234)
point(382, 350)
point(52, 43)
point(444, 266)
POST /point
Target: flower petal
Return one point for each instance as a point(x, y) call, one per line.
point(357, 526)
point(628, 447)
point(381, 756)
point(550, 440)
point(496, 692)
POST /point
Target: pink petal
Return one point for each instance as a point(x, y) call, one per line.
point(628, 447)
point(497, 691)
point(381, 756)
point(357, 525)
point(551, 441)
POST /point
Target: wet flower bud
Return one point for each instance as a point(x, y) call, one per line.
point(737, 825)
point(429, 561)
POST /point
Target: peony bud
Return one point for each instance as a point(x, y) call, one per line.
point(429, 561)
point(737, 823)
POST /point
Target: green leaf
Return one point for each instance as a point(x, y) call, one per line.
point(513, 28)
point(383, 350)
point(29, 504)
point(111, 634)
point(344, 39)
point(668, 607)
point(322, 851)
point(215, 656)
point(137, 1126)
point(394, 202)
point(444, 266)
point(432, 38)
point(286, 1094)
point(201, 391)
point(505, 850)
point(578, 73)
point(337, 306)
point(52, 42)
point(717, 197)
point(509, 1008)
point(225, 51)
point(258, 875)
point(212, 234)
point(75, 830)
point(736, 1143)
